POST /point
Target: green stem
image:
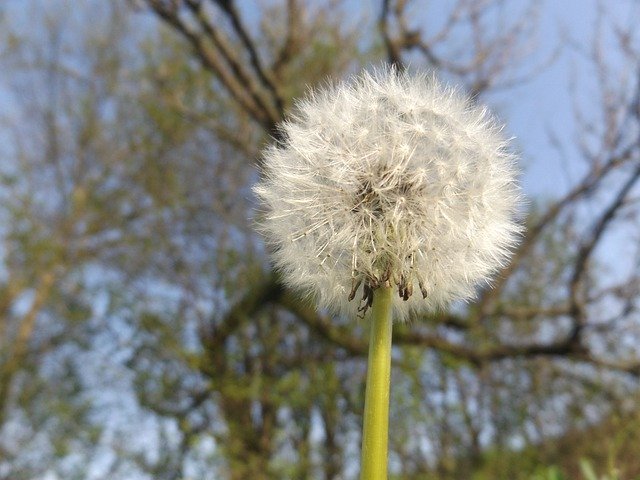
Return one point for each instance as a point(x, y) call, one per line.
point(375, 431)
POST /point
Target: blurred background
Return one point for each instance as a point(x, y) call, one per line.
point(143, 334)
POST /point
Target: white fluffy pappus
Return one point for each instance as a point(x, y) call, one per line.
point(389, 179)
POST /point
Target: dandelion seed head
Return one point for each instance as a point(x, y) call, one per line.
point(389, 179)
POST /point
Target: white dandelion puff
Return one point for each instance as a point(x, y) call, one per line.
point(389, 179)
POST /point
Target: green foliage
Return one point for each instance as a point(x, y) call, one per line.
point(552, 473)
point(587, 471)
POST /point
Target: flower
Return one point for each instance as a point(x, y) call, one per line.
point(389, 179)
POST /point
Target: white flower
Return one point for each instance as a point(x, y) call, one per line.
point(389, 179)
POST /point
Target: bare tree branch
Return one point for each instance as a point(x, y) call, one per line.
point(267, 79)
point(217, 56)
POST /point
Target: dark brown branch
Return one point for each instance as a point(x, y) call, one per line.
point(587, 247)
point(323, 326)
point(270, 291)
point(586, 187)
point(227, 51)
point(528, 312)
point(343, 338)
point(567, 347)
point(291, 43)
point(211, 61)
point(229, 7)
point(394, 56)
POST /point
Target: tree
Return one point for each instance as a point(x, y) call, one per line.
point(139, 195)
point(556, 255)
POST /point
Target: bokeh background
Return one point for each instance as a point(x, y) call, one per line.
point(143, 333)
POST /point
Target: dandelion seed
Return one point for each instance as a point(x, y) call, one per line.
point(389, 179)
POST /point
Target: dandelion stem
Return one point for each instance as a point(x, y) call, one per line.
point(375, 432)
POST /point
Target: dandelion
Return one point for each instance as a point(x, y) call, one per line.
point(388, 182)
point(389, 179)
